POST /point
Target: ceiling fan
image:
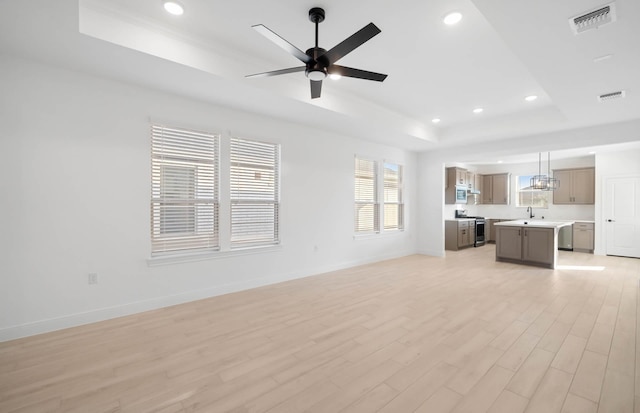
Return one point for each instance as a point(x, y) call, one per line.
point(319, 62)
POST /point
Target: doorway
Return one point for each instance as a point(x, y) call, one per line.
point(622, 216)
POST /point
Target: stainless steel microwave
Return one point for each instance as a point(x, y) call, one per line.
point(461, 194)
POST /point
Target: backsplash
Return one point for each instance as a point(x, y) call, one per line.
point(554, 212)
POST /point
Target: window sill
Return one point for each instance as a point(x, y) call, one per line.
point(210, 255)
point(387, 233)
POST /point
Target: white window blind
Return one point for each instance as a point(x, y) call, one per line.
point(393, 210)
point(255, 193)
point(184, 190)
point(366, 196)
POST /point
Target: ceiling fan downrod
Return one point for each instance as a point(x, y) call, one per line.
point(316, 69)
point(316, 15)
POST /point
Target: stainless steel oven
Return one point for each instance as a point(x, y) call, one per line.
point(480, 226)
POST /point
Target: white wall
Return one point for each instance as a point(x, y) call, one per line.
point(431, 175)
point(75, 190)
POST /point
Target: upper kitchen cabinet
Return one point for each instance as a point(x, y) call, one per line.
point(471, 181)
point(495, 189)
point(455, 177)
point(577, 186)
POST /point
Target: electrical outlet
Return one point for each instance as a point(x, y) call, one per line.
point(93, 278)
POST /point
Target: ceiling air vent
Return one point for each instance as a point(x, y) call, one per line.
point(593, 19)
point(611, 96)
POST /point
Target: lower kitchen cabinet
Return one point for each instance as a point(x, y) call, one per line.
point(583, 236)
point(510, 245)
point(459, 233)
point(538, 245)
point(528, 245)
point(490, 235)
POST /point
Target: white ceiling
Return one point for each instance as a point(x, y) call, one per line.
point(499, 53)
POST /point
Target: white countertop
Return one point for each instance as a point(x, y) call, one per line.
point(589, 221)
point(538, 223)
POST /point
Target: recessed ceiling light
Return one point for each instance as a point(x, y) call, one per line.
point(500, 161)
point(435, 120)
point(592, 152)
point(478, 110)
point(452, 18)
point(531, 98)
point(173, 7)
point(335, 77)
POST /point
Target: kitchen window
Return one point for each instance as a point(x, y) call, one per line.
point(526, 196)
point(184, 190)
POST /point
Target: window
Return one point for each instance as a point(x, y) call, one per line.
point(393, 207)
point(528, 196)
point(366, 196)
point(184, 190)
point(255, 193)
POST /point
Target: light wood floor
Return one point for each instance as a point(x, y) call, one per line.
point(423, 334)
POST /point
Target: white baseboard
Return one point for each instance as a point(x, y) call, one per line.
point(102, 314)
point(432, 253)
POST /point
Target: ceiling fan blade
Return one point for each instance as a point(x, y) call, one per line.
point(278, 72)
point(316, 87)
point(352, 42)
point(351, 72)
point(266, 32)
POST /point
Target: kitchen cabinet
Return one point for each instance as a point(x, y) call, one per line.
point(454, 177)
point(487, 186)
point(538, 245)
point(510, 245)
point(466, 233)
point(583, 236)
point(527, 245)
point(459, 233)
point(495, 189)
point(471, 181)
point(577, 186)
point(491, 229)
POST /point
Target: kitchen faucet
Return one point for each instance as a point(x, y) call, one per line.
point(530, 211)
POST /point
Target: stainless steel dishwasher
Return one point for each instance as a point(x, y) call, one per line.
point(565, 238)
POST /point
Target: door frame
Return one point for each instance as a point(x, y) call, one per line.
point(601, 233)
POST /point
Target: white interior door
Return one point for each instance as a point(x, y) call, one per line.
point(622, 216)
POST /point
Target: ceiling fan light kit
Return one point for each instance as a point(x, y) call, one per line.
point(320, 63)
point(173, 7)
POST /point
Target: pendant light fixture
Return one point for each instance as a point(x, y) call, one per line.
point(551, 184)
point(544, 182)
point(538, 181)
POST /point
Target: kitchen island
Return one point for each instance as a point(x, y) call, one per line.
point(529, 242)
